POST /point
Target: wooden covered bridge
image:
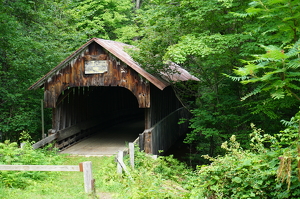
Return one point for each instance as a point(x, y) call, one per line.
point(100, 86)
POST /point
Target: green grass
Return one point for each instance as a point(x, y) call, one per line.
point(59, 185)
point(150, 179)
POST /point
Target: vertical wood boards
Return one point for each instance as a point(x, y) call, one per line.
point(167, 131)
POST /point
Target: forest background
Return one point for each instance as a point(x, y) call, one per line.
point(245, 54)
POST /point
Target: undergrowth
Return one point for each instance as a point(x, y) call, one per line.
point(12, 154)
point(255, 173)
point(162, 177)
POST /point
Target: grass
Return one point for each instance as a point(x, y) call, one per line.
point(59, 185)
point(150, 179)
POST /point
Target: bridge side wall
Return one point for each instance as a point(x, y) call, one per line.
point(166, 132)
point(162, 128)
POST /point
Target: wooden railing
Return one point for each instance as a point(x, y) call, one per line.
point(164, 133)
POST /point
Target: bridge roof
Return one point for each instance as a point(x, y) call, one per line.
point(118, 50)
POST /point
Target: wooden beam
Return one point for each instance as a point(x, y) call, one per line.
point(44, 141)
point(85, 167)
point(39, 167)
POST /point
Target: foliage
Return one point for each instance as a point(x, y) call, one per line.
point(11, 154)
point(205, 39)
point(34, 37)
point(276, 72)
point(107, 19)
point(164, 177)
point(249, 173)
point(208, 38)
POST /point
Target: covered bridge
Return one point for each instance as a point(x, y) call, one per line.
point(100, 85)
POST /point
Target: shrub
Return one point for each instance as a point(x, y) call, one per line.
point(11, 154)
point(162, 177)
point(247, 173)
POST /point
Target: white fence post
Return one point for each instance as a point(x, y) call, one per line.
point(86, 168)
point(131, 154)
point(119, 160)
point(22, 145)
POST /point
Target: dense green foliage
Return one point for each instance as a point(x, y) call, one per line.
point(107, 19)
point(209, 38)
point(252, 173)
point(12, 154)
point(163, 177)
point(33, 37)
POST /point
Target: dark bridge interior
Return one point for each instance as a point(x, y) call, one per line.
point(111, 102)
point(94, 110)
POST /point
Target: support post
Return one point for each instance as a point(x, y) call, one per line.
point(86, 167)
point(119, 160)
point(42, 112)
point(131, 154)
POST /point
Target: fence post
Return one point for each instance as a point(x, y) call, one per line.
point(119, 158)
point(131, 154)
point(22, 145)
point(88, 176)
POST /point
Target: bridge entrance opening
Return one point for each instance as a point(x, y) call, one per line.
point(114, 115)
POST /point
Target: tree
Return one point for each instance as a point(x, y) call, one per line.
point(209, 39)
point(107, 19)
point(276, 70)
point(274, 74)
point(206, 40)
point(33, 40)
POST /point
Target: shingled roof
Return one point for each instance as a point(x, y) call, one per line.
point(118, 50)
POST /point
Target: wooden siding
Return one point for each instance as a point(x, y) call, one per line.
point(161, 121)
point(166, 132)
point(118, 74)
point(162, 104)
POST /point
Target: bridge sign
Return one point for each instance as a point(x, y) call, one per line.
point(96, 66)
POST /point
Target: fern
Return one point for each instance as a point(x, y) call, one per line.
point(254, 92)
point(236, 78)
point(278, 94)
point(294, 64)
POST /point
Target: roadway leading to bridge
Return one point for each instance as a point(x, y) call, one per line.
point(108, 141)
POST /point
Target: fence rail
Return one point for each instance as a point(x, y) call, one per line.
point(39, 168)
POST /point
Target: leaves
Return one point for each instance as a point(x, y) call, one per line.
point(102, 19)
point(249, 173)
point(273, 71)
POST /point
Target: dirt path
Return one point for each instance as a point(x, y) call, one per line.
point(109, 141)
